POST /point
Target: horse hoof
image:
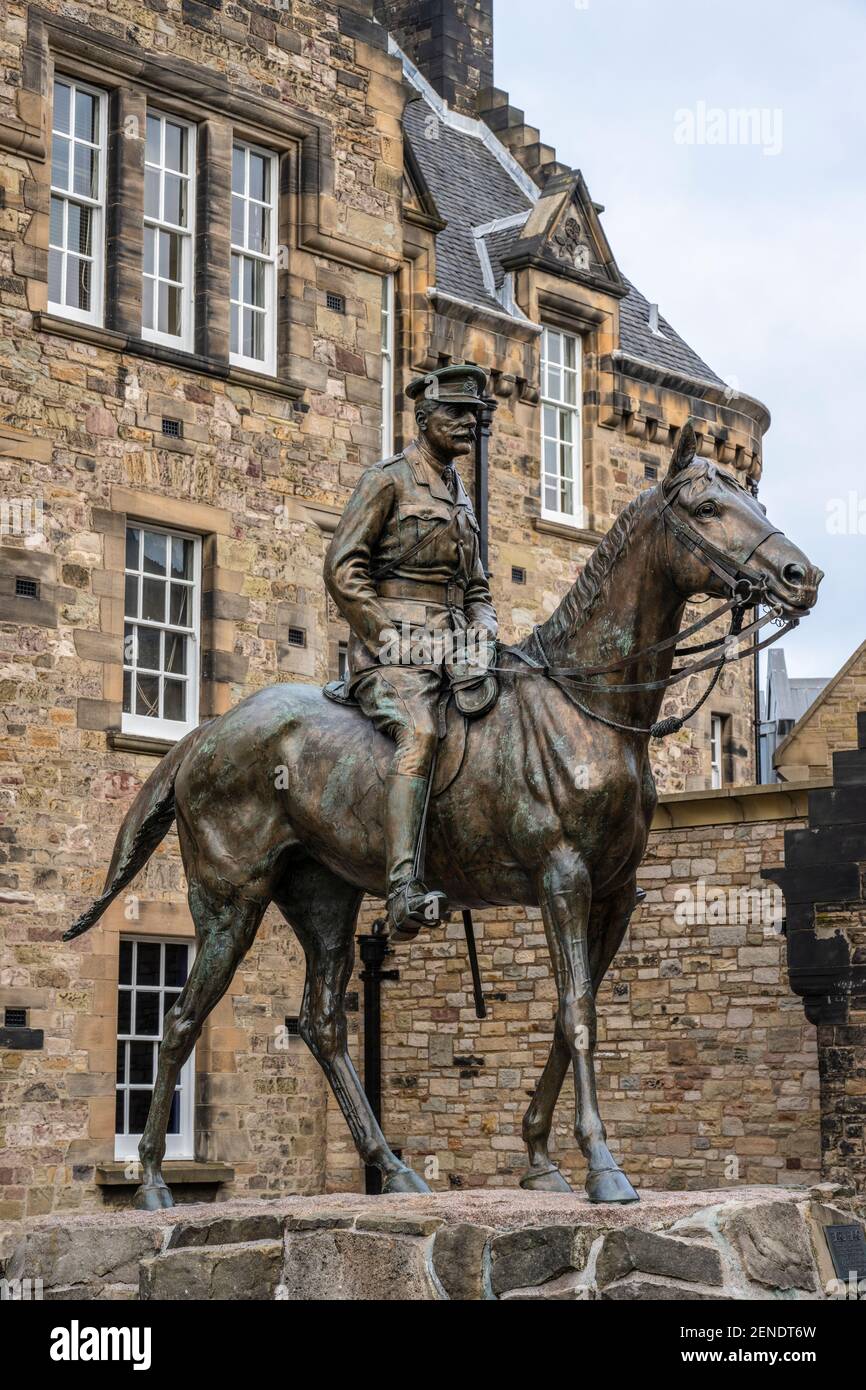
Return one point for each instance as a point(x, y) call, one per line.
point(546, 1180)
point(610, 1185)
point(404, 1180)
point(152, 1197)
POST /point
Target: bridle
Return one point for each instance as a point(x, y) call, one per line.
point(747, 587)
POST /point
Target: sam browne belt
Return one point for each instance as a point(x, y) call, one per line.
point(447, 593)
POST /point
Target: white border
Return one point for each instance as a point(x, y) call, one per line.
point(577, 518)
point(180, 1145)
point(93, 315)
point(172, 729)
point(186, 341)
point(389, 307)
point(268, 364)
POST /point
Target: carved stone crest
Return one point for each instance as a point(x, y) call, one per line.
point(569, 244)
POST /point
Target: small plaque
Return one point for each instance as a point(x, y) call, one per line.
point(22, 1039)
point(848, 1250)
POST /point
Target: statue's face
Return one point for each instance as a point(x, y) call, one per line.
point(451, 430)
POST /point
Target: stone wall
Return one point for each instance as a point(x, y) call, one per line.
point(707, 1070)
point(829, 725)
point(451, 41)
point(261, 471)
point(81, 433)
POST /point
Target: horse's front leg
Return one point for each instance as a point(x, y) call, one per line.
point(608, 923)
point(565, 898)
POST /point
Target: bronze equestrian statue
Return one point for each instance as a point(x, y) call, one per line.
point(406, 552)
point(551, 806)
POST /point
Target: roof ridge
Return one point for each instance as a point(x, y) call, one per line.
point(469, 125)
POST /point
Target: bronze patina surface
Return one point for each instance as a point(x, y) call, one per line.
point(405, 561)
point(551, 808)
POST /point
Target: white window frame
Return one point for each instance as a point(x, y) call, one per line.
point(94, 314)
point(717, 767)
point(145, 725)
point(182, 1144)
point(185, 341)
point(389, 300)
point(566, 411)
point(268, 364)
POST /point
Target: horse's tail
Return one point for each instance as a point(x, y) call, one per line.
point(146, 823)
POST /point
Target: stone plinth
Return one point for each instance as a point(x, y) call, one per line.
point(755, 1242)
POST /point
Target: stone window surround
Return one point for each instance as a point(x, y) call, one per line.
point(266, 258)
point(182, 1144)
point(575, 413)
point(184, 233)
point(215, 136)
point(91, 201)
point(96, 1032)
point(585, 322)
point(156, 726)
point(222, 113)
point(221, 604)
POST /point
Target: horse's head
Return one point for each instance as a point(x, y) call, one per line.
point(721, 540)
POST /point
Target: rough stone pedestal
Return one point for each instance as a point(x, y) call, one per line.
point(755, 1242)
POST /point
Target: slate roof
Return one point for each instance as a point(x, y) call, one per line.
point(669, 350)
point(472, 187)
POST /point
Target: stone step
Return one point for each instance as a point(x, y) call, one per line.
point(516, 137)
point(503, 118)
point(490, 98)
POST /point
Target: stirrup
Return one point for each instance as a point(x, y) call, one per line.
point(411, 907)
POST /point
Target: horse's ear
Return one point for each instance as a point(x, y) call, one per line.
point(685, 450)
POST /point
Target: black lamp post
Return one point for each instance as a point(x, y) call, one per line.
point(374, 948)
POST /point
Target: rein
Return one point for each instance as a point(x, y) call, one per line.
point(747, 587)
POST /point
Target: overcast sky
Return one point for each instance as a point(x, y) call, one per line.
point(757, 259)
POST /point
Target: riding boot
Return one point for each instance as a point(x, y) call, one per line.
point(411, 905)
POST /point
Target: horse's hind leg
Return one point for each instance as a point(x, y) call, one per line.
point(225, 930)
point(543, 1175)
point(322, 909)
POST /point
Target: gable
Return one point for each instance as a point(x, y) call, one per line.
point(829, 725)
point(564, 234)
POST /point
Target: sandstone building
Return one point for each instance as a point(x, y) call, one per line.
point(229, 234)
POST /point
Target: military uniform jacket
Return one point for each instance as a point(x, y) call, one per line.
point(397, 503)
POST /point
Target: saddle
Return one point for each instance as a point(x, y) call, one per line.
point(471, 692)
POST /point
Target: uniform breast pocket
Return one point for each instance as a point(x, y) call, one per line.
point(417, 521)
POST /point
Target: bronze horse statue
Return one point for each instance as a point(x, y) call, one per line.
point(280, 801)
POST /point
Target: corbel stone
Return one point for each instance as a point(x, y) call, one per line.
point(503, 384)
point(527, 392)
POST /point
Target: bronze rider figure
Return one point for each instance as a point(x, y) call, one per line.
point(405, 561)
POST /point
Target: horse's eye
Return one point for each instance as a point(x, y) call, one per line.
point(706, 510)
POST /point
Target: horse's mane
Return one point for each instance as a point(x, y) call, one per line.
point(577, 605)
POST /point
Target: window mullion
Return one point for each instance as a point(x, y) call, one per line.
point(125, 210)
point(211, 246)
